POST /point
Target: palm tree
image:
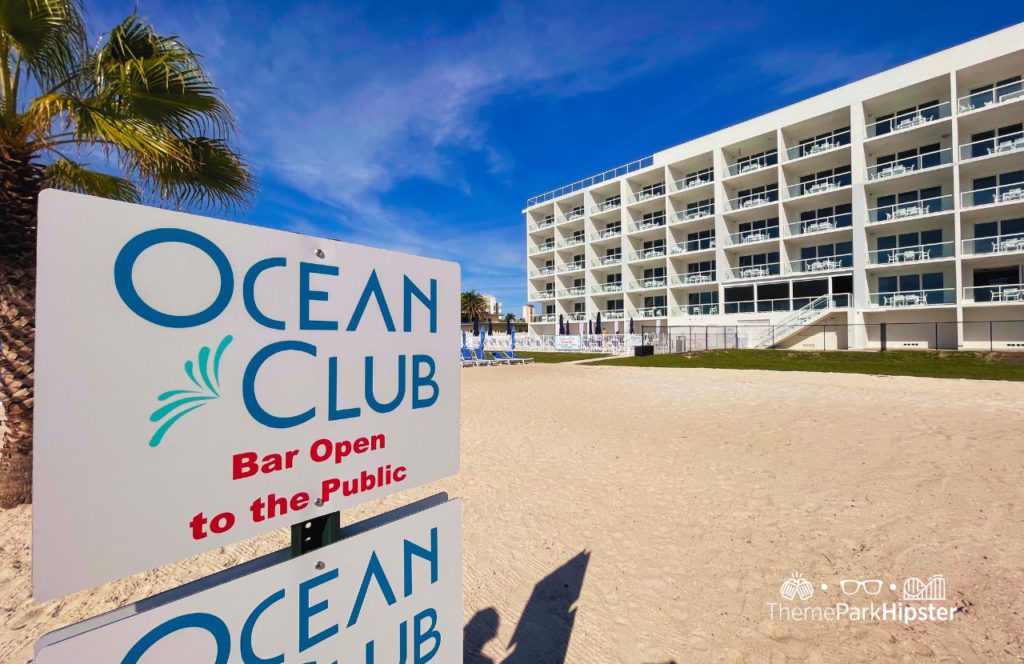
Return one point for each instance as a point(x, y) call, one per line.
point(139, 100)
point(474, 306)
point(511, 317)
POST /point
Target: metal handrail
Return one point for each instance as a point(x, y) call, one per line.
point(998, 95)
point(989, 147)
point(994, 244)
point(906, 166)
point(833, 142)
point(590, 181)
point(1006, 193)
point(911, 253)
point(909, 120)
point(820, 185)
point(910, 209)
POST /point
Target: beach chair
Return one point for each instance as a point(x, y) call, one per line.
point(467, 358)
point(502, 355)
point(481, 359)
point(497, 357)
point(512, 355)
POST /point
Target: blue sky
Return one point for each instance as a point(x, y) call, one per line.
point(425, 126)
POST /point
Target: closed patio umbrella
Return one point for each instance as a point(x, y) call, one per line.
point(631, 325)
point(463, 338)
point(561, 324)
point(597, 325)
point(513, 329)
point(508, 326)
point(476, 328)
point(490, 327)
point(590, 327)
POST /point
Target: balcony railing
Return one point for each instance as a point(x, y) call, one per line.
point(645, 254)
point(1007, 193)
point(999, 95)
point(757, 164)
point(575, 291)
point(754, 271)
point(651, 312)
point(911, 254)
point(777, 304)
point(820, 186)
point(606, 206)
point(755, 235)
point(572, 242)
point(696, 213)
point(576, 316)
point(693, 278)
point(572, 216)
point(999, 244)
point(692, 182)
point(992, 146)
point(606, 233)
point(648, 195)
point(692, 246)
point(541, 248)
point(543, 271)
point(909, 120)
point(544, 295)
point(697, 310)
point(821, 224)
point(652, 282)
point(614, 259)
point(910, 165)
point(613, 314)
point(647, 224)
point(753, 200)
point(910, 209)
point(543, 318)
point(607, 287)
point(541, 225)
point(822, 263)
point(913, 298)
point(572, 267)
point(995, 293)
point(833, 142)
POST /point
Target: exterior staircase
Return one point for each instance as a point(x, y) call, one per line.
point(813, 311)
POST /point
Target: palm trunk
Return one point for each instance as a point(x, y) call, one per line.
point(20, 182)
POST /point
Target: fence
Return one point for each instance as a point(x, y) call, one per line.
point(1005, 335)
point(555, 343)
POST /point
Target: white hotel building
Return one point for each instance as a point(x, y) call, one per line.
point(898, 198)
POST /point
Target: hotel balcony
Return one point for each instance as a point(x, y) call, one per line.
point(1003, 94)
point(753, 237)
point(910, 209)
point(572, 242)
point(994, 294)
point(691, 279)
point(902, 167)
point(575, 266)
point(572, 216)
point(576, 316)
point(993, 147)
point(919, 253)
point(823, 224)
point(543, 318)
point(607, 287)
point(752, 201)
point(697, 310)
point(754, 271)
point(606, 206)
point(657, 191)
point(543, 248)
point(574, 291)
point(650, 312)
point(606, 261)
point(544, 295)
point(821, 264)
point(914, 298)
point(908, 121)
point(648, 284)
point(769, 160)
point(613, 314)
point(694, 182)
point(703, 212)
point(541, 225)
point(814, 148)
point(689, 247)
point(545, 271)
point(1007, 193)
point(819, 186)
point(647, 224)
point(606, 234)
point(647, 254)
point(998, 245)
point(762, 306)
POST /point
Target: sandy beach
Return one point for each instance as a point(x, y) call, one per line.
point(651, 515)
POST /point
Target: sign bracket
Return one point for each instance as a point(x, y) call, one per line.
point(314, 533)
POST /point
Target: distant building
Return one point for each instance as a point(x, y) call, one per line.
point(493, 306)
point(527, 312)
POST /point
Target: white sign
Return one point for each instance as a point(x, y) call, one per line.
point(567, 342)
point(393, 594)
point(199, 382)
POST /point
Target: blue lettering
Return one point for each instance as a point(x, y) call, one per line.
point(248, 656)
point(125, 283)
point(252, 404)
point(374, 289)
point(306, 295)
point(423, 381)
point(375, 571)
point(212, 624)
point(410, 549)
point(410, 290)
point(371, 400)
point(306, 612)
point(249, 292)
point(420, 636)
point(334, 413)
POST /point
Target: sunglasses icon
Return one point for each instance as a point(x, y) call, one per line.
point(869, 586)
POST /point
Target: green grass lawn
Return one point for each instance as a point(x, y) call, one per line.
point(554, 358)
point(981, 366)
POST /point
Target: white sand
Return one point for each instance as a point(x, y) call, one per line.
point(695, 493)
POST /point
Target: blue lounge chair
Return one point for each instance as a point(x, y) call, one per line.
point(482, 359)
point(467, 358)
point(512, 355)
point(502, 355)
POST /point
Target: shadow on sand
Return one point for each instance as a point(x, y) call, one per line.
point(542, 633)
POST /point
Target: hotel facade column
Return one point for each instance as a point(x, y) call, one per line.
point(858, 333)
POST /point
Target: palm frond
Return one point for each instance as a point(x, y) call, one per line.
point(72, 176)
point(48, 35)
point(213, 175)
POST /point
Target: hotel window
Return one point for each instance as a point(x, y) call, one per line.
point(700, 240)
point(758, 160)
point(739, 299)
point(840, 215)
point(548, 220)
point(773, 297)
point(549, 309)
point(549, 263)
point(577, 211)
point(705, 302)
point(891, 244)
point(651, 190)
point(768, 192)
point(578, 282)
point(579, 307)
point(657, 217)
point(614, 305)
point(929, 110)
point(611, 202)
point(613, 278)
point(613, 252)
point(657, 302)
point(578, 235)
point(578, 259)
point(929, 199)
point(930, 156)
point(1008, 88)
point(991, 235)
point(931, 284)
point(769, 226)
point(770, 260)
point(654, 244)
point(998, 140)
point(826, 141)
point(700, 266)
point(614, 226)
point(698, 177)
point(702, 208)
point(994, 278)
point(1004, 185)
point(654, 273)
point(840, 253)
point(840, 175)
